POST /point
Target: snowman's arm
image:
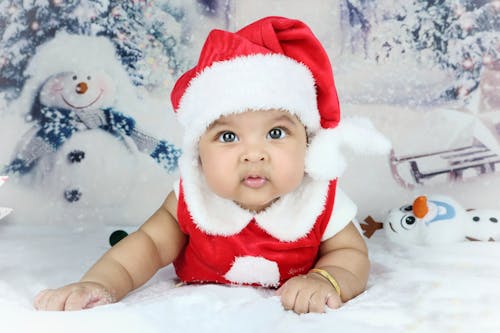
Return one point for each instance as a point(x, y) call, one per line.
point(163, 152)
point(370, 226)
point(144, 142)
point(167, 155)
point(28, 154)
point(117, 123)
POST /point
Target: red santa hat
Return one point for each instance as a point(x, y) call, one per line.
point(273, 63)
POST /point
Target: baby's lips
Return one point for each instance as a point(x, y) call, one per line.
point(254, 181)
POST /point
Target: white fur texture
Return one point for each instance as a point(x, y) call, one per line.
point(256, 82)
point(218, 216)
point(254, 270)
point(324, 159)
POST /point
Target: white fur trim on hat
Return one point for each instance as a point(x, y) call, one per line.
point(258, 82)
point(324, 158)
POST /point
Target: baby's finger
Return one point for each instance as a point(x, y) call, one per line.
point(302, 302)
point(317, 302)
point(56, 300)
point(40, 299)
point(288, 296)
point(333, 301)
point(77, 300)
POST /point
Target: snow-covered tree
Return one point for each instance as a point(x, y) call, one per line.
point(459, 36)
point(26, 24)
point(148, 34)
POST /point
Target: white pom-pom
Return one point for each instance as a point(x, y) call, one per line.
point(324, 159)
point(248, 270)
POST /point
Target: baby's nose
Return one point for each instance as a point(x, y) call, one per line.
point(254, 158)
point(81, 88)
point(254, 154)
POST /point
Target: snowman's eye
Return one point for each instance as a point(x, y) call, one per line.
point(408, 222)
point(406, 208)
point(75, 77)
point(89, 77)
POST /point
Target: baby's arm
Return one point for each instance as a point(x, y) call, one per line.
point(125, 267)
point(345, 257)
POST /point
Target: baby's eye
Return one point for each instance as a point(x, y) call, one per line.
point(276, 133)
point(227, 136)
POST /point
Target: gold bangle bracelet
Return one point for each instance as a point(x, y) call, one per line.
point(327, 276)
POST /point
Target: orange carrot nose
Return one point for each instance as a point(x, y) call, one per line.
point(81, 88)
point(420, 208)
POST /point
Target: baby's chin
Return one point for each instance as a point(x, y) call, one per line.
point(256, 207)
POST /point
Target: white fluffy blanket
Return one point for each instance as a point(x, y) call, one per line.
point(452, 288)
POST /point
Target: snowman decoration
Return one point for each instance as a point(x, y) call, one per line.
point(84, 144)
point(436, 219)
point(73, 102)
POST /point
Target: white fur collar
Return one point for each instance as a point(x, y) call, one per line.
point(288, 219)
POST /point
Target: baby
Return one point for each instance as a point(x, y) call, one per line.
point(257, 202)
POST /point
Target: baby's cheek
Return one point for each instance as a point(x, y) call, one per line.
point(219, 181)
point(290, 176)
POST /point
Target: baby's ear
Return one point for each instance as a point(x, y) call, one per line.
point(324, 159)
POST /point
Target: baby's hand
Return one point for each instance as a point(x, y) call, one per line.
point(76, 296)
point(308, 293)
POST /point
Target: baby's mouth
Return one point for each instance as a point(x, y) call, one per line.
point(254, 181)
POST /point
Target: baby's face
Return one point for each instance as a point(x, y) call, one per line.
point(254, 157)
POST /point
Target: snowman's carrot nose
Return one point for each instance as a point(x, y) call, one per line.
point(81, 88)
point(420, 207)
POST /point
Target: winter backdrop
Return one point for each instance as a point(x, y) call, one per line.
point(426, 73)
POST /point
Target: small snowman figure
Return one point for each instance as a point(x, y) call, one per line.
point(428, 220)
point(436, 219)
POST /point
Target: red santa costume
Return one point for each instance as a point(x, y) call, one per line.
point(273, 63)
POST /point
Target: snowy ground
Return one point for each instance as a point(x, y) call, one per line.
point(453, 288)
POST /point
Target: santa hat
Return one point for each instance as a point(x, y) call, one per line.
point(273, 63)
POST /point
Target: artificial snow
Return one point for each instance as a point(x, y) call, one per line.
point(452, 288)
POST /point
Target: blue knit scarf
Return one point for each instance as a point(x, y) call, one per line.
point(57, 125)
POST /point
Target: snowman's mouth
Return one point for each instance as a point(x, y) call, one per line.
point(84, 106)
